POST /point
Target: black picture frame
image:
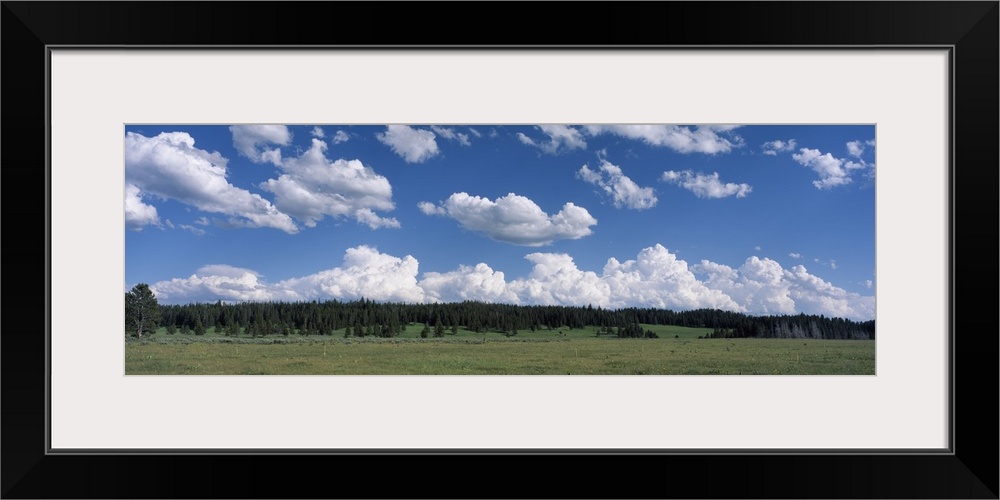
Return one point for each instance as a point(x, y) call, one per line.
point(969, 470)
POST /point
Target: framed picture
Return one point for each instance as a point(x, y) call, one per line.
point(921, 76)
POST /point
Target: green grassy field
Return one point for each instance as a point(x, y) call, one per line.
point(557, 352)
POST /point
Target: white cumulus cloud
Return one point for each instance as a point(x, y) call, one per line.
point(514, 219)
point(795, 255)
point(623, 191)
point(701, 139)
point(858, 148)
point(137, 213)
point(412, 145)
point(555, 280)
point(249, 139)
point(168, 166)
point(365, 272)
point(758, 286)
point(832, 171)
point(340, 137)
point(429, 208)
point(706, 186)
point(214, 282)
point(369, 218)
point(762, 286)
point(655, 278)
point(317, 132)
point(778, 146)
point(855, 148)
point(451, 134)
point(813, 295)
point(479, 282)
point(312, 187)
point(560, 138)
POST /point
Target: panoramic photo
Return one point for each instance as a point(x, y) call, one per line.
point(498, 249)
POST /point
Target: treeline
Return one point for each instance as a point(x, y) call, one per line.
point(365, 317)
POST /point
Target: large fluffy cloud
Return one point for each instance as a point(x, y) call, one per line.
point(655, 278)
point(559, 138)
point(249, 139)
point(479, 282)
point(514, 219)
point(366, 272)
point(704, 185)
point(555, 280)
point(759, 285)
point(624, 192)
point(831, 171)
point(169, 166)
point(412, 145)
point(312, 187)
point(702, 139)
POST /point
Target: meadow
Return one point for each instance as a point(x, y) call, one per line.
point(677, 351)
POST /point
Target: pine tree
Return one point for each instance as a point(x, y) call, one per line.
point(142, 312)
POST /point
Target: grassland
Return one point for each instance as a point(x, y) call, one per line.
point(678, 351)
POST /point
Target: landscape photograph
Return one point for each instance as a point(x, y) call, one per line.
point(499, 249)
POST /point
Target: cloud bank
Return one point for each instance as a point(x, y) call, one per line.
point(654, 278)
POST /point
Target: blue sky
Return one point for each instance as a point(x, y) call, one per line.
point(759, 219)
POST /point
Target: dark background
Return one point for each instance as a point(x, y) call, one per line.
point(970, 472)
